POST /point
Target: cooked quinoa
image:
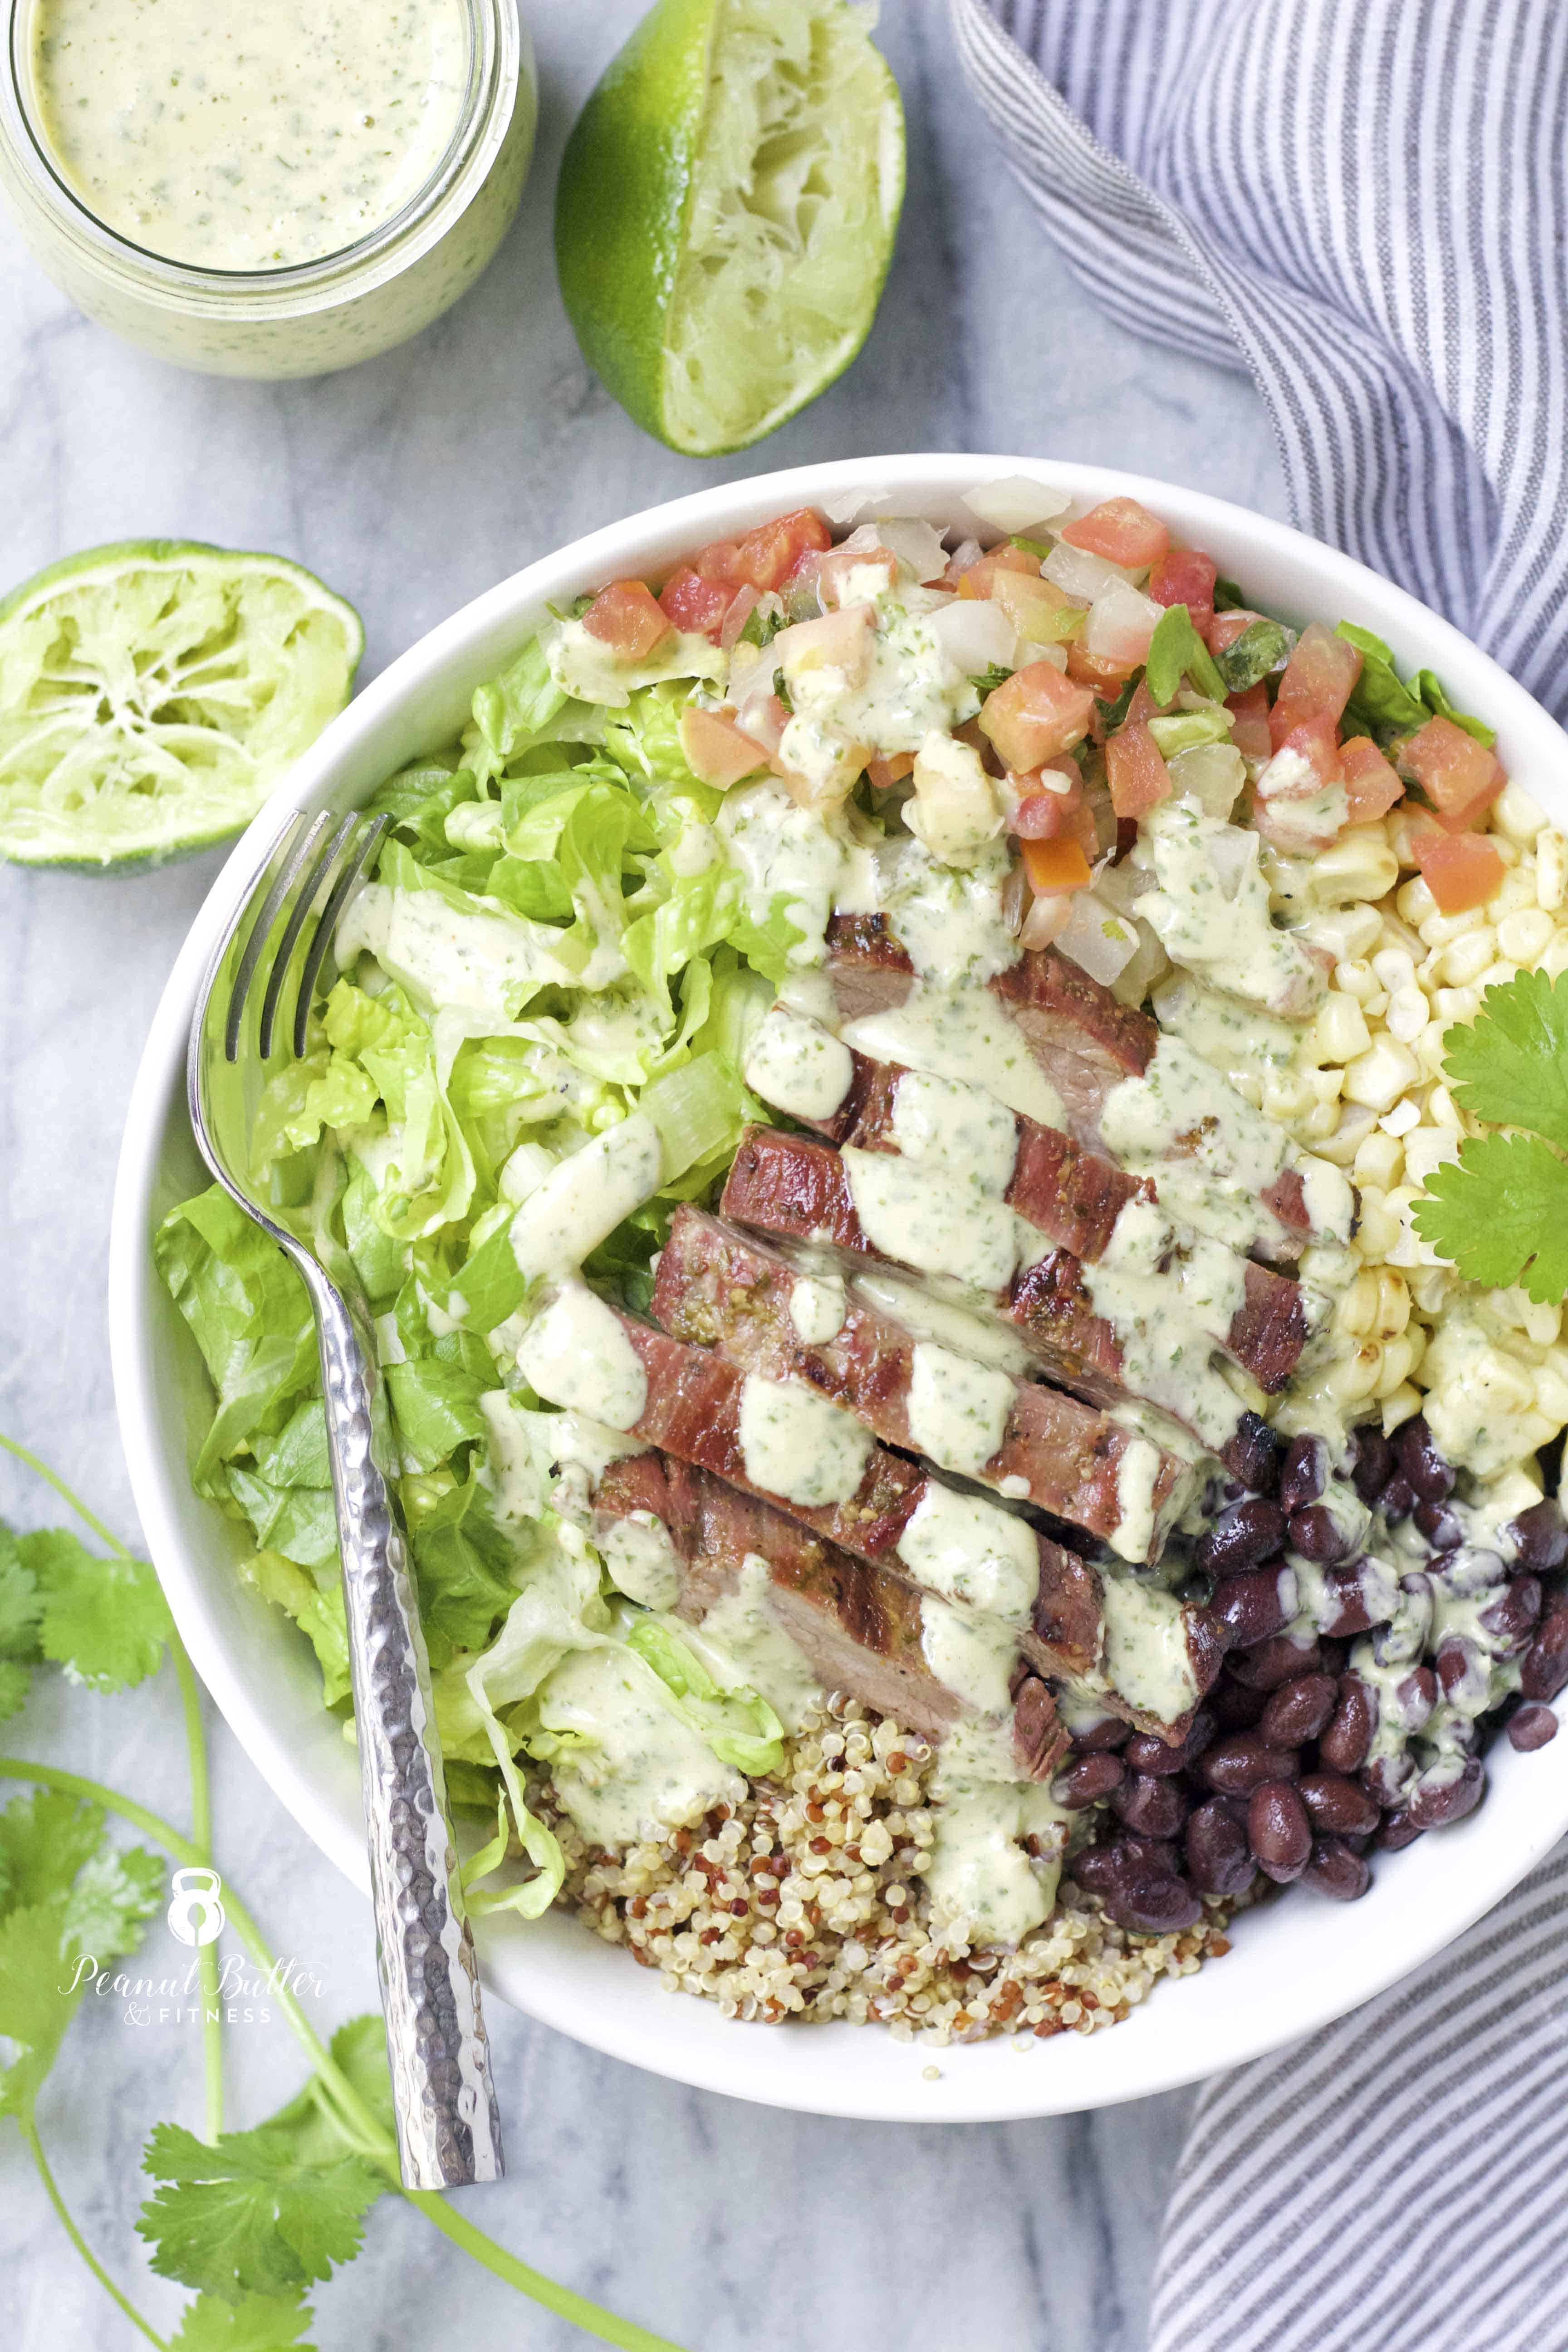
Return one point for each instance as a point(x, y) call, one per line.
point(804, 1902)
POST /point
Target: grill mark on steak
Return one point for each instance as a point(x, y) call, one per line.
point(858, 1629)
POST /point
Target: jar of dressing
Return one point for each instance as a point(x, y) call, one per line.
point(266, 187)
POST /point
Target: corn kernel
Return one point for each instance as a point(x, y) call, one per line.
point(1401, 1407)
point(1356, 978)
point(1525, 935)
point(1392, 1304)
point(1408, 1013)
point(1404, 1115)
point(1550, 868)
point(1427, 1147)
point(1428, 1050)
point(1436, 930)
point(1514, 891)
point(1459, 963)
point(1515, 813)
point(1414, 901)
point(1555, 962)
point(1392, 1371)
point(1456, 1003)
point(1356, 1315)
point(1394, 967)
point(1379, 1077)
point(1378, 1162)
point(1498, 974)
point(1352, 1381)
point(1340, 1032)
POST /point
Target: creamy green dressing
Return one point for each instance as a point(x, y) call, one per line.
point(796, 1445)
point(253, 139)
point(974, 1655)
point(1137, 1476)
point(966, 1549)
point(958, 1409)
point(1210, 909)
point(462, 960)
point(744, 1642)
point(1169, 1307)
point(818, 1304)
point(946, 1123)
point(591, 671)
point(982, 1882)
point(798, 1067)
point(642, 1560)
point(583, 1200)
point(939, 1223)
point(1145, 1657)
point(964, 1035)
point(639, 1767)
point(577, 1353)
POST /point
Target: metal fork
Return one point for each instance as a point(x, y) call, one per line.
point(449, 2130)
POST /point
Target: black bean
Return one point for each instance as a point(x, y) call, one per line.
point(1337, 1871)
point(1150, 1905)
point(1540, 1536)
point(1317, 1535)
point(1435, 1801)
point(1417, 1452)
point(1304, 1475)
point(1279, 1660)
point(1531, 1726)
point(1147, 1854)
point(1415, 1696)
point(1344, 1746)
point(1219, 1860)
point(1372, 1461)
point(1458, 1662)
point(1108, 1732)
point(1397, 1499)
point(1252, 1606)
point(1333, 1656)
point(1278, 1832)
point(1088, 1780)
point(1235, 1707)
point(1439, 1525)
point(1153, 1808)
point(1144, 1753)
point(1511, 1617)
point(1398, 1829)
point(1349, 1598)
point(1253, 1453)
point(1249, 1531)
point(1545, 1668)
point(1387, 1781)
point(1338, 1807)
point(1235, 1767)
point(1298, 1710)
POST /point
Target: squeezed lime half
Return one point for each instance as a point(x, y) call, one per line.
point(153, 692)
point(726, 214)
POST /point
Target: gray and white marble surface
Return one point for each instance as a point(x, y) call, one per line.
point(411, 484)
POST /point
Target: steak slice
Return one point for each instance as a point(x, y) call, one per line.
point(1084, 1039)
point(795, 1189)
point(858, 1629)
point(1073, 1198)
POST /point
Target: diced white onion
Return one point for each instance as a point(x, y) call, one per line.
point(1098, 938)
point(1232, 853)
point(1044, 920)
point(850, 505)
point(1016, 503)
point(917, 546)
point(1079, 573)
point(974, 634)
point(1121, 620)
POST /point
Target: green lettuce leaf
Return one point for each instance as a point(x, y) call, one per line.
point(250, 1316)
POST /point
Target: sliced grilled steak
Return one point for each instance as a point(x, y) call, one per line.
point(1072, 1198)
point(795, 1189)
point(858, 1629)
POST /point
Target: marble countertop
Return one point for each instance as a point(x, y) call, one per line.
point(411, 484)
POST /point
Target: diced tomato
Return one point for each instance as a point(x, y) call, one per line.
point(1123, 531)
point(717, 561)
point(1037, 609)
point(1306, 763)
point(1091, 669)
point(1054, 866)
point(1318, 678)
point(1136, 770)
point(1035, 714)
point(835, 574)
point(1460, 869)
point(889, 769)
point(1460, 776)
point(1186, 576)
point(766, 556)
point(690, 602)
point(626, 617)
point(1316, 739)
point(1372, 788)
point(979, 578)
point(1250, 713)
point(1044, 814)
point(719, 752)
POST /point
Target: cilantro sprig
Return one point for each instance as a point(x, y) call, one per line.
point(1499, 1212)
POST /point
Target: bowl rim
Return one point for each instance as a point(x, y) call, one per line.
point(1161, 2047)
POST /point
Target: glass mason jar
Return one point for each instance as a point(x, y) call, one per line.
point(312, 315)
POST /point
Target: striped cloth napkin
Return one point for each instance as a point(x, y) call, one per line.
point(1364, 203)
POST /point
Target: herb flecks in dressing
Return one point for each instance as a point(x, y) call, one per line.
point(796, 1445)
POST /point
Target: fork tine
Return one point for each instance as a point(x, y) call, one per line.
point(293, 858)
point(305, 898)
point(323, 937)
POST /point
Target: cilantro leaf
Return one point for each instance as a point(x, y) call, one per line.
point(1261, 647)
point(21, 1604)
point(115, 1894)
point(1510, 1066)
point(257, 2323)
point(1228, 597)
point(1500, 1213)
point(105, 1621)
point(36, 2001)
point(251, 2215)
point(1176, 651)
point(990, 679)
point(16, 1680)
point(45, 1838)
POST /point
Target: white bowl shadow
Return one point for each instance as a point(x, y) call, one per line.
point(1298, 1962)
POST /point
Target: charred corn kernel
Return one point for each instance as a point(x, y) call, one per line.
point(1352, 1381)
point(1550, 868)
point(1340, 1032)
point(1516, 814)
point(1378, 1162)
point(1357, 978)
point(1459, 963)
point(1414, 901)
point(1525, 935)
point(1400, 1407)
point(1395, 1368)
point(1380, 1076)
point(1356, 1315)
point(1392, 1311)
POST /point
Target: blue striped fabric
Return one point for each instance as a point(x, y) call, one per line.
point(1362, 203)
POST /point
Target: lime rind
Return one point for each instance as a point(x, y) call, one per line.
point(727, 208)
point(153, 692)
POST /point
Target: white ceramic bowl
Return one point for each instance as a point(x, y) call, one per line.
point(1301, 1961)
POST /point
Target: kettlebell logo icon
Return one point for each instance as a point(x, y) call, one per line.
point(197, 1913)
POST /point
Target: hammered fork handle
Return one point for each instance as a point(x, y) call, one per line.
point(444, 2093)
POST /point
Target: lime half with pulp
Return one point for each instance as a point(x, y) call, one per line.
point(726, 214)
point(153, 693)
